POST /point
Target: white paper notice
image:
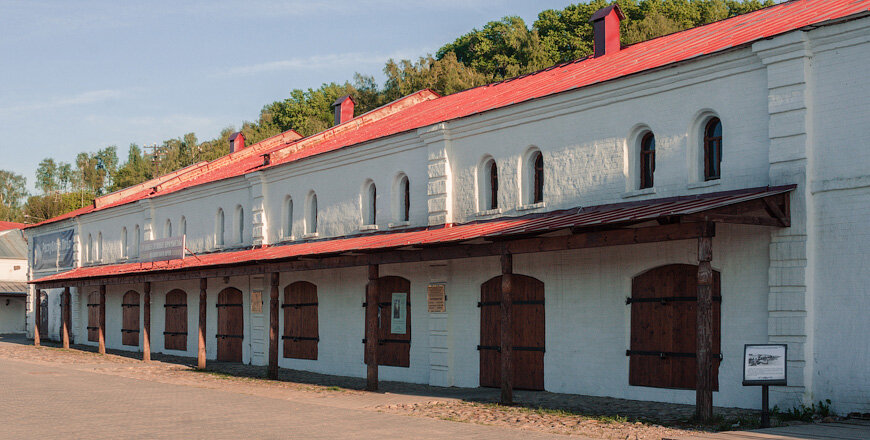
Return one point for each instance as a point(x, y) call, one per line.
point(398, 313)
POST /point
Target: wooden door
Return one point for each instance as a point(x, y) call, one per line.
point(300, 321)
point(43, 315)
point(663, 327)
point(529, 341)
point(94, 317)
point(394, 349)
point(175, 329)
point(230, 325)
point(130, 319)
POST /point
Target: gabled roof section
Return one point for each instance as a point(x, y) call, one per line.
point(426, 108)
point(4, 226)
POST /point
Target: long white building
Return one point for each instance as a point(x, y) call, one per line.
point(567, 227)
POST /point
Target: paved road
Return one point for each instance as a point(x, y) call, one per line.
point(57, 401)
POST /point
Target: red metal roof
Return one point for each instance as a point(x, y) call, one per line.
point(409, 114)
point(616, 214)
point(5, 226)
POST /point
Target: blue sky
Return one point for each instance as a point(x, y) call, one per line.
point(79, 76)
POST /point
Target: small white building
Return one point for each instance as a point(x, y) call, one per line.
point(593, 210)
point(13, 278)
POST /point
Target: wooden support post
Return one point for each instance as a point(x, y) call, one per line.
point(37, 317)
point(507, 366)
point(146, 323)
point(704, 349)
point(102, 328)
point(273, 327)
point(200, 358)
point(371, 349)
point(65, 317)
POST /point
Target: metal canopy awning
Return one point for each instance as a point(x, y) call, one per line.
point(603, 225)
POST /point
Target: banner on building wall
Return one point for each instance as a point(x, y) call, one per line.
point(398, 313)
point(53, 251)
point(171, 248)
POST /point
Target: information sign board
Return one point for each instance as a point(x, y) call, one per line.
point(764, 364)
point(437, 298)
point(170, 248)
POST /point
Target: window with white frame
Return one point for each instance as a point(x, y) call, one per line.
point(369, 203)
point(487, 185)
point(136, 240)
point(219, 228)
point(287, 231)
point(532, 178)
point(124, 250)
point(239, 234)
point(402, 200)
point(182, 226)
point(167, 229)
point(311, 214)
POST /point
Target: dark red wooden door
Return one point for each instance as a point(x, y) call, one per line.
point(130, 319)
point(663, 327)
point(230, 325)
point(301, 333)
point(175, 311)
point(394, 349)
point(528, 334)
point(93, 317)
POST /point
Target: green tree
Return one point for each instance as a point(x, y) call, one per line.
point(43, 207)
point(48, 176)
point(445, 76)
point(13, 189)
point(136, 169)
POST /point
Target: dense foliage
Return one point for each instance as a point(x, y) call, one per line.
point(500, 49)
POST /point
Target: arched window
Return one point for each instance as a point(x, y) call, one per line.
point(167, 229)
point(219, 228)
point(182, 228)
point(493, 185)
point(124, 251)
point(713, 149)
point(99, 253)
point(404, 199)
point(89, 252)
point(288, 217)
point(311, 215)
point(136, 241)
point(536, 165)
point(647, 160)
point(370, 204)
point(240, 225)
point(488, 185)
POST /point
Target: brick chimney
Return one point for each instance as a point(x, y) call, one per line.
point(343, 109)
point(237, 142)
point(605, 29)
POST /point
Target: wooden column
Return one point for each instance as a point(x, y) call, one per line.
point(65, 316)
point(506, 300)
point(200, 359)
point(146, 322)
point(371, 349)
point(102, 328)
point(37, 317)
point(704, 348)
point(273, 327)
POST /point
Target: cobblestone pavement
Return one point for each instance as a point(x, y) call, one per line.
point(242, 382)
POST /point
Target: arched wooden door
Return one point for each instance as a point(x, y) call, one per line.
point(663, 327)
point(175, 327)
point(43, 315)
point(93, 317)
point(528, 334)
point(130, 319)
point(394, 349)
point(230, 325)
point(301, 333)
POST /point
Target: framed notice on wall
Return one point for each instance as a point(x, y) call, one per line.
point(257, 301)
point(437, 298)
point(399, 313)
point(764, 364)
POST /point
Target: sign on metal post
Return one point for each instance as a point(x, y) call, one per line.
point(765, 365)
point(171, 248)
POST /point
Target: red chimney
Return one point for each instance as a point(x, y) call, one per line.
point(605, 29)
point(343, 109)
point(237, 142)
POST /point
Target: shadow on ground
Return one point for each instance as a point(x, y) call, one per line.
point(593, 406)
